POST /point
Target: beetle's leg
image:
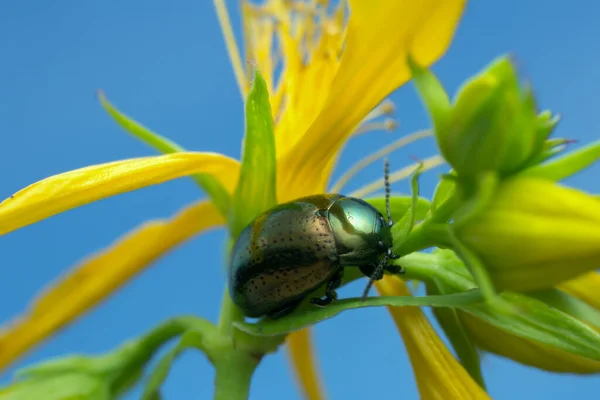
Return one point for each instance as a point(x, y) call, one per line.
point(369, 269)
point(330, 293)
point(284, 310)
point(395, 269)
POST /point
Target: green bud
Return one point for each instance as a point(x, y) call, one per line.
point(493, 124)
point(535, 234)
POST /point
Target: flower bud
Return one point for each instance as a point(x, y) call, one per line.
point(493, 125)
point(535, 234)
point(504, 336)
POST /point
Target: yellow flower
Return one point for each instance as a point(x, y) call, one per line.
point(535, 234)
point(329, 86)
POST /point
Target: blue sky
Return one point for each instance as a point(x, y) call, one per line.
point(164, 63)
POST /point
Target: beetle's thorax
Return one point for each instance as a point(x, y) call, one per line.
point(361, 233)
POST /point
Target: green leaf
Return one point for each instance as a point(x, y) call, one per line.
point(256, 190)
point(399, 205)
point(314, 314)
point(73, 386)
point(213, 188)
point(536, 321)
point(567, 165)
point(121, 368)
point(190, 339)
point(568, 304)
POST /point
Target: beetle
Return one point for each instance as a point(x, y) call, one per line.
point(295, 248)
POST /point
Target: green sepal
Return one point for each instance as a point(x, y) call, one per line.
point(550, 148)
point(213, 188)
point(403, 227)
point(567, 165)
point(479, 196)
point(546, 123)
point(432, 93)
point(256, 190)
point(444, 190)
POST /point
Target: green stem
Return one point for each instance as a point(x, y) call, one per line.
point(234, 373)
point(446, 210)
point(422, 237)
point(427, 267)
point(229, 314)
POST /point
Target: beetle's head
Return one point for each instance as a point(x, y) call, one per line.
point(386, 241)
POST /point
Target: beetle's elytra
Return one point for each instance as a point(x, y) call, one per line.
point(295, 248)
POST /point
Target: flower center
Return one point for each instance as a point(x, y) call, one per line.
point(297, 46)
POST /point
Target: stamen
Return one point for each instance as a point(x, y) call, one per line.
point(428, 163)
point(385, 125)
point(403, 141)
point(386, 107)
point(232, 47)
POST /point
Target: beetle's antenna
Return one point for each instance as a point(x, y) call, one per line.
point(377, 273)
point(386, 180)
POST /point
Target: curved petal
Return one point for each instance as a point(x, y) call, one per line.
point(372, 65)
point(75, 188)
point(439, 375)
point(585, 287)
point(100, 275)
point(303, 360)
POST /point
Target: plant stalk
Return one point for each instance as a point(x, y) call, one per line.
point(234, 371)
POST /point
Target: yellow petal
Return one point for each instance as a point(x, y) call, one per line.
point(439, 375)
point(302, 357)
point(585, 287)
point(97, 277)
point(372, 65)
point(75, 188)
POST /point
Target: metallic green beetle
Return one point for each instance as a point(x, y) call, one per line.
point(295, 248)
